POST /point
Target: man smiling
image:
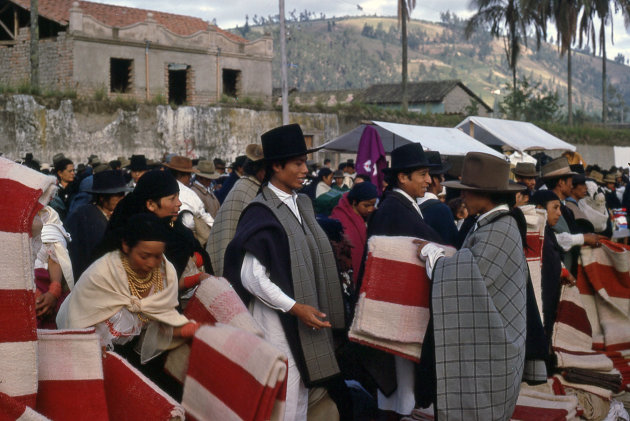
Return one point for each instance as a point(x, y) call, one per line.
point(401, 385)
point(281, 264)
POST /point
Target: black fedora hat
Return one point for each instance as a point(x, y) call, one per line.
point(284, 142)
point(441, 167)
point(108, 182)
point(138, 163)
point(409, 157)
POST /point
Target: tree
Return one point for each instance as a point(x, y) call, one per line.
point(620, 58)
point(507, 19)
point(528, 102)
point(404, 10)
point(602, 10)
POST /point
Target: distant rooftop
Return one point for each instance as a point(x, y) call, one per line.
point(120, 16)
point(417, 92)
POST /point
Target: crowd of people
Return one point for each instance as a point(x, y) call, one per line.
point(123, 245)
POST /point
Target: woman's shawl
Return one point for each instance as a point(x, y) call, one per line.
point(479, 314)
point(54, 233)
point(103, 290)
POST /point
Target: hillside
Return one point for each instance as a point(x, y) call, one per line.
point(355, 52)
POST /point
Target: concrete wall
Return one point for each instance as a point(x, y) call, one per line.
point(457, 100)
point(26, 126)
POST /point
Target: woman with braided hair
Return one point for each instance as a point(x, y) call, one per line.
point(130, 296)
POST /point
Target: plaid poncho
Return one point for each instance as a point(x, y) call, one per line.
point(479, 310)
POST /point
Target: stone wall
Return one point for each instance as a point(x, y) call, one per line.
point(26, 126)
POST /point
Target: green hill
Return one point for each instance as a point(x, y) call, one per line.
point(355, 52)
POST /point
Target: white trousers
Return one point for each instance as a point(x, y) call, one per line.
point(403, 400)
point(297, 393)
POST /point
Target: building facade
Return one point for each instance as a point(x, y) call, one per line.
point(112, 51)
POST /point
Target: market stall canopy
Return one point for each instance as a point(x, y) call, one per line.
point(445, 140)
point(512, 135)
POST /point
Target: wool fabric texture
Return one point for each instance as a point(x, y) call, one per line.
point(18, 338)
point(480, 348)
point(234, 375)
point(393, 313)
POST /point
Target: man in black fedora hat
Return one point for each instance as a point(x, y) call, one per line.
point(282, 265)
point(400, 389)
point(436, 214)
point(479, 300)
point(138, 167)
point(87, 224)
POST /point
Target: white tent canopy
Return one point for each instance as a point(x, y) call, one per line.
point(445, 140)
point(512, 135)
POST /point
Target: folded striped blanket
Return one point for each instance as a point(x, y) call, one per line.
point(23, 192)
point(215, 301)
point(533, 405)
point(131, 396)
point(536, 220)
point(70, 371)
point(571, 340)
point(392, 313)
point(13, 410)
point(604, 283)
point(234, 375)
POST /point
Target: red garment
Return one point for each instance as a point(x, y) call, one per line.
point(355, 230)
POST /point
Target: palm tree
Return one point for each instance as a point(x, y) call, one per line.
point(565, 15)
point(603, 10)
point(510, 20)
point(404, 11)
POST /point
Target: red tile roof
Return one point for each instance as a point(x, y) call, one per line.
point(120, 16)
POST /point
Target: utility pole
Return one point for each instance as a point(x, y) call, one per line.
point(34, 45)
point(283, 54)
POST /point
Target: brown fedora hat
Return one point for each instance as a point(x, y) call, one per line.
point(206, 169)
point(597, 177)
point(180, 163)
point(485, 173)
point(559, 167)
point(525, 169)
point(254, 152)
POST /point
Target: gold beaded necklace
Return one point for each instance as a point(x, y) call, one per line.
point(140, 286)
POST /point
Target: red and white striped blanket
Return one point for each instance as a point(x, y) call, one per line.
point(13, 410)
point(70, 371)
point(215, 301)
point(23, 192)
point(392, 313)
point(536, 220)
point(604, 282)
point(131, 396)
point(234, 375)
point(535, 405)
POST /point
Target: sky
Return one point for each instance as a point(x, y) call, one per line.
point(228, 17)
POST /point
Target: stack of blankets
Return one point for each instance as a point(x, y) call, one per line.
point(64, 374)
point(591, 336)
point(392, 313)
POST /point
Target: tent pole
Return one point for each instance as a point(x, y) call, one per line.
point(394, 145)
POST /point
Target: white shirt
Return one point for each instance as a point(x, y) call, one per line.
point(254, 275)
point(491, 211)
point(208, 189)
point(192, 203)
point(289, 199)
point(413, 202)
point(427, 196)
